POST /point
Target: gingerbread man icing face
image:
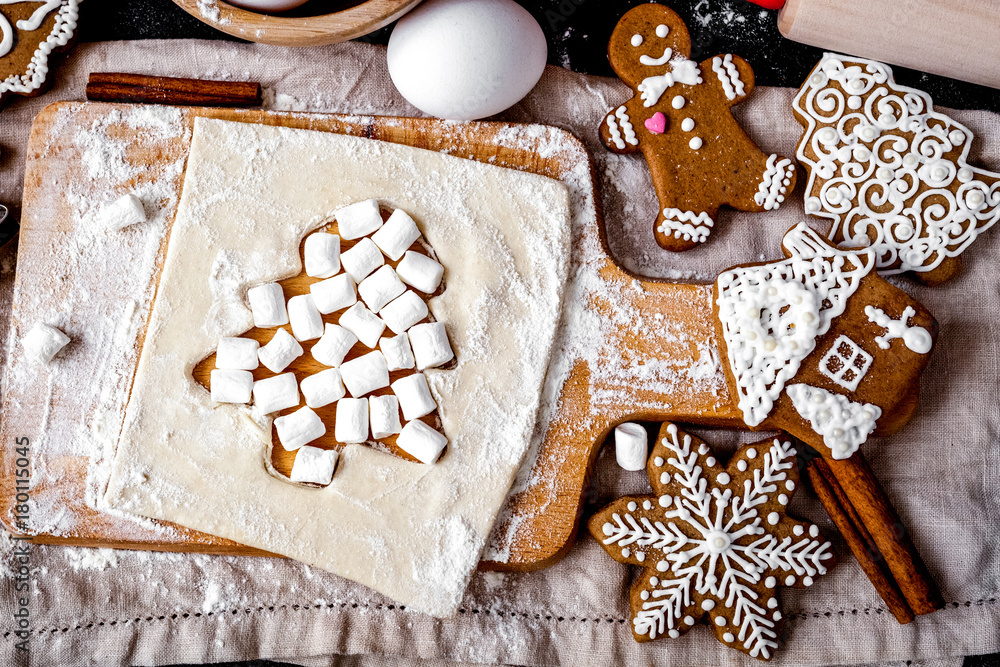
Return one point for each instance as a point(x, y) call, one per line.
point(679, 117)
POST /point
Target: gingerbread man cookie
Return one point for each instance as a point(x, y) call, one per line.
point(29, 33)
point(820, 345)
point(680, 118)
point(888, 171)
point(715, 542)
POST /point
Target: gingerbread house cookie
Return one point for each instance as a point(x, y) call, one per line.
point(714, 541)
point(888, 171)
point(820, 345)
point(29, 33)
point(680, 119)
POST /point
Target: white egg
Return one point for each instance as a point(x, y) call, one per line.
point(268, 5)
point(466, 59)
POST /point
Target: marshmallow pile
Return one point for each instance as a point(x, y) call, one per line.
point(368, 318)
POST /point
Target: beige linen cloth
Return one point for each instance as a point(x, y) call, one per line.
point(93, 607)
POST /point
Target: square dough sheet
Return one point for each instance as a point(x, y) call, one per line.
point(413, 532)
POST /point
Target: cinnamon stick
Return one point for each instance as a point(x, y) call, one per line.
point(119, 87)
point(866, 496)
point(858, 539)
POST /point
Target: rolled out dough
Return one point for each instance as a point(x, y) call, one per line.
point(413, 532)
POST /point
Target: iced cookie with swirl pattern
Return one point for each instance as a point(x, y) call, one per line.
point(30, 32)
point(715, 542)
point(820, 345)
point(889, 172)
point(680, 119)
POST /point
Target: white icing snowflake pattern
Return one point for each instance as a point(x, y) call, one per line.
point(889, 171)
point(713, 546)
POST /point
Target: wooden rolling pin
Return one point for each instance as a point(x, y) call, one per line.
point(955, 39)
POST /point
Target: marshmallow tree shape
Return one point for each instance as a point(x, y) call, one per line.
point(680, 119)
point(715, 542)
point(820, 345)
point(889, 172)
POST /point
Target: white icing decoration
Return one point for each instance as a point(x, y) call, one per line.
point(774, 184)
point(731, 554)
point(923, 215)
point(695, 143)
point(637, 40)
point(918, 339)
point(772, 314)
point(687, 124)
point(627, 129)
point(678, 102)
point(719, 620)
point(650, 61)
point(662, 31)
point(728, 75)
point(846, 363)
point(728, 637)
point(616, 135)
point(741, 466)
point(686, 225)
point(682, 71)
point(38, 67)
point(844, 424)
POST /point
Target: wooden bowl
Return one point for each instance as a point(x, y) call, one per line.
point(317, 22)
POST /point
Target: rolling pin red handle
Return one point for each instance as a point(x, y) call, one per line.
point(769, 4)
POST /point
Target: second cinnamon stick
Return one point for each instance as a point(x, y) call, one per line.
point(120, 87)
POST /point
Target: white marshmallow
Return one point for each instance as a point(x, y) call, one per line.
point(404, 312)
point(363, 323)
point(231, 386)
point(322, 388)
point(396, 235)
point(631, 443)
point(430, 345)
point(336, 342)
point(267, 303)
point(314, 465)
point(421, 441)
point(420, 271)
point(365, 374)
point(384, 414)
point(300, 427)
point(280, 351)
point(43, 342)
point(362, 259)
point(236, 353)
point(322, 253)
point(359, 219)
point(277, 393)
point(352, 420)
point(380, 288)
point(305, 319)
point(396, 351)
point(414, 396)
point(123, 212)
point(333, 294)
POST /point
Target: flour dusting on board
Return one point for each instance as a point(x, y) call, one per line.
point(121, 266)
point(586, 336)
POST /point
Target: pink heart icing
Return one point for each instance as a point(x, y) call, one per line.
point(657, 124)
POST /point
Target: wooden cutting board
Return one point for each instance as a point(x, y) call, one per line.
point(630, 344)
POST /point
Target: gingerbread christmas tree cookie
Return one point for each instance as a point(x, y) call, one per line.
point(714, 541)
point(888, 171)
point(29, 33)
point(680, 119)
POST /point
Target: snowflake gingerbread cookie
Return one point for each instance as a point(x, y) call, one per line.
point(680, 119)
point(820, 345)
point(888, 171)
point(30, 32)
point(715, 542)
